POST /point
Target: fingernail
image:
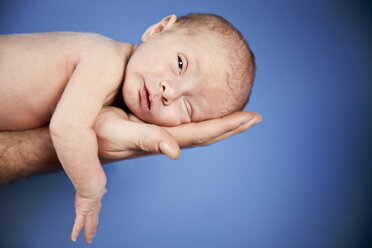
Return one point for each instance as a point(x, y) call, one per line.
point(247, 120)
point(256, 118)
point(166, 149)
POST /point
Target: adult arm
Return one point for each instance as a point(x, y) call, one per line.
point(31, 152)
point(26, 153)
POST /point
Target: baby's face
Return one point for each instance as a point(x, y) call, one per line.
point(175, 78)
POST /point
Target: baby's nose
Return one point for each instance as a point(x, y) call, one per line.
point(168, 93)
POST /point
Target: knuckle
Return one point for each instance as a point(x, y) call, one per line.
point(148, 141)
point(100, 126)
point(141, 143)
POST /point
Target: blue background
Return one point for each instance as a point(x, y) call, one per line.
point(301, 178)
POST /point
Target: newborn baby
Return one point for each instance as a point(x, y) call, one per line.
point(187, 70)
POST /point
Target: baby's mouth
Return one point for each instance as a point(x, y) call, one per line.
point(146, 102)
point(148, 97)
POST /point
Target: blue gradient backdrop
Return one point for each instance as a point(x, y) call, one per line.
point(302, 178)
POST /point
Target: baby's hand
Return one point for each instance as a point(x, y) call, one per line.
point(87, 210)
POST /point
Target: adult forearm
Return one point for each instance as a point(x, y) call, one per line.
point(26, 153)
point(31, 152)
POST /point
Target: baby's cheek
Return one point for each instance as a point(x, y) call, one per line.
point(167, 119)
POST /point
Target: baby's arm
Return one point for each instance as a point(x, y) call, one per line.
point(98, 74)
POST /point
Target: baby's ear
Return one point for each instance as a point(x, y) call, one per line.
point(161, 26)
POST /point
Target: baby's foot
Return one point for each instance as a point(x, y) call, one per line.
point(87, 210)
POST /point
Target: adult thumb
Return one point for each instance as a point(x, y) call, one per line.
point(159, 140)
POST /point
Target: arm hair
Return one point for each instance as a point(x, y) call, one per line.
point(30, 153)
point(26, 153)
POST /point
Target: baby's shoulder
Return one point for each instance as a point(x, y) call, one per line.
point(98, 41)
point(89, 44)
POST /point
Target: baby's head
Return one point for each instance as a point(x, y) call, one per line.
point(189, 69)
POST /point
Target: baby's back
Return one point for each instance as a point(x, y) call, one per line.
point(34, 71)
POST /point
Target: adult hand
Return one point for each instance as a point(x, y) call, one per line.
point(123, 136)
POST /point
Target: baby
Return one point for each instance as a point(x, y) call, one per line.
point(189, 69)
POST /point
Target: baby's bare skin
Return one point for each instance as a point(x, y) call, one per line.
point(35, 69)
point(65, 79)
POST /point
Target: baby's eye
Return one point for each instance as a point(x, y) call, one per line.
point(180, 63)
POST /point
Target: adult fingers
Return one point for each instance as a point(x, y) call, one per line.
point(240, 129)
point(198, 133)
point(122, 136)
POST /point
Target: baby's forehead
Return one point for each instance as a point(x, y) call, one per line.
point(207, 50)
point(196, 38)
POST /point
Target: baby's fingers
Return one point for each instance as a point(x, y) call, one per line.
point(90, 227)
point(79, 222)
